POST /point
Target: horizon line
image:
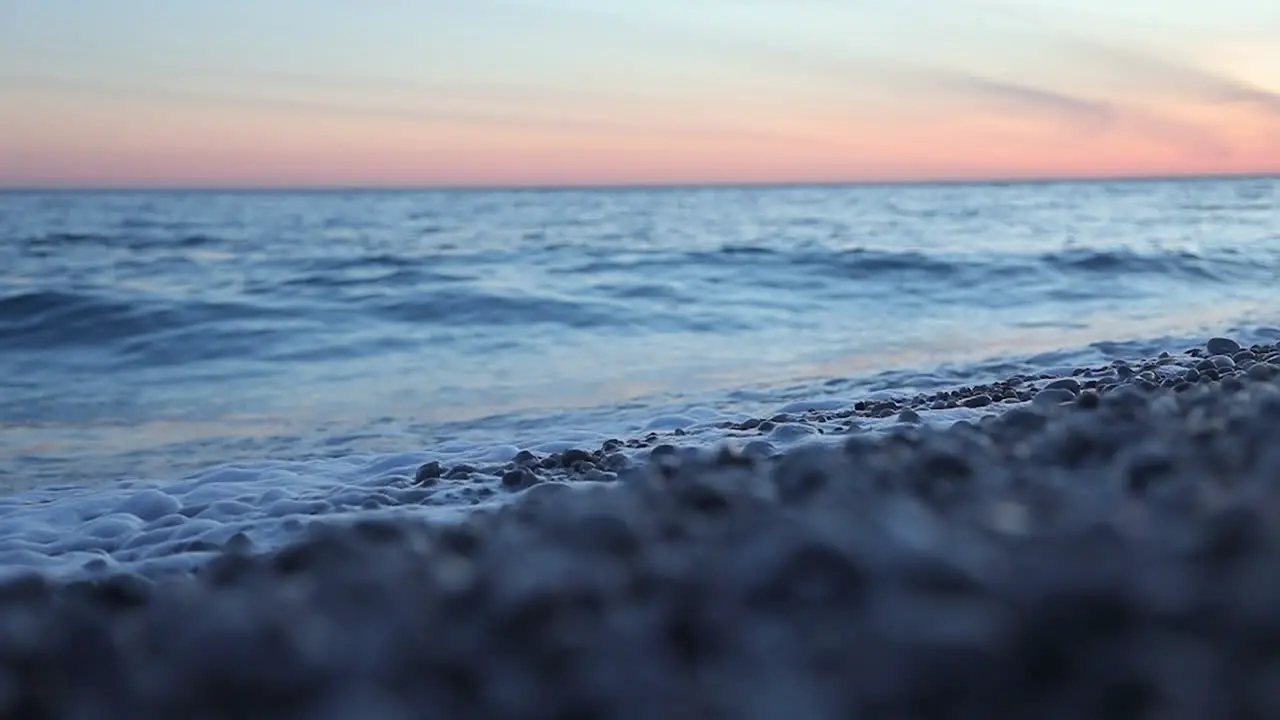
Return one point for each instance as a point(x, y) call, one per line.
point(640, 185)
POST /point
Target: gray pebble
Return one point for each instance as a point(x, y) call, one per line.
point(428, 472)
point(1053, 396)
point(664, 453)
point(1222, 346)
point(545, 491)
point(759, 449)
point(519, 479)
point(789, 432)
point(617, 462)
point(598, 475)
point(1069, 384)
point(1222, 362)
point(1261, 371)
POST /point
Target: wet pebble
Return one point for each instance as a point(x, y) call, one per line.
point(1053, 396)
point(1071, 385)
point(428, 472)
point(519, 479)
point(1222, 346)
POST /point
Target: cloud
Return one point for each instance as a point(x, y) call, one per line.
point(421, 113)
point(853, 76)
point(1196, 83)
point(1155, 69)
point(1085, 114)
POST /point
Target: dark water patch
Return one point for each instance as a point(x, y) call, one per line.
point(860, 263)
point(464, 308)
point(1125, 262)
point(642, 291)
point(1173, 265)
point(194, 241)
point(49, 318)
point(470, 310)
point(748, 250)
point(116, 241)
point(360, 262)
point(394, 279)
point(68, 238)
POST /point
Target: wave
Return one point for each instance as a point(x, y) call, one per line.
point(872, 264)
point(67, 240)
point(469, 308)
point(47, 319)
point(1182, 264)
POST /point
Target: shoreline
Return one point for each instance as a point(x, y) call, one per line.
point(395, 486)
point(1104, 544)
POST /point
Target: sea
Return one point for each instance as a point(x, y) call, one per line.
point(150, 339)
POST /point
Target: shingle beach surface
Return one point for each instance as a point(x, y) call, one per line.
point(1106, 547)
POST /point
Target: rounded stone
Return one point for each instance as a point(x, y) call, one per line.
point(1222, 362)
point(574, 456)
point(759, 449)
point(977, 401)
point(1260, 371)
point(518, 479)
point(1071, 385)
point(546, 490)
point(1222, 346)
point(1053, 396)
point(663, 452)
point(616, 462)
point(428, 472)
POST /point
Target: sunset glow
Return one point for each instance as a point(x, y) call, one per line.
point(535, 92)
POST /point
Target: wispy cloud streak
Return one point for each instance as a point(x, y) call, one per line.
point(425, 113)
point(850, 75)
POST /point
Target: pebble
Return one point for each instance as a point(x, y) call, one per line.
point(1222, 362)
point(1097, 552)
point(519, 479)
point(1222, 346)
point(1261, 372)
point(574, 456)
point(1069, 384)
point(428, 472)
point(1053, 396)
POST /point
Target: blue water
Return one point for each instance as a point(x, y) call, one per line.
point(154, 333)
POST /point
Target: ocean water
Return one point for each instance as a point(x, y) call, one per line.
point(153, 339)
point(153, 334)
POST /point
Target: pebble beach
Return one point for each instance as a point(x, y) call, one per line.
point(1096, 542)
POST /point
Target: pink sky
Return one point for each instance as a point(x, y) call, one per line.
point(775, 107)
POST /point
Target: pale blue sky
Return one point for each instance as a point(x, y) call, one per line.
point(711, 62)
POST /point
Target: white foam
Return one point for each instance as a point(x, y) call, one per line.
point(154, 528)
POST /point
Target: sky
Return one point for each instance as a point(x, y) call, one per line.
point(410, 93)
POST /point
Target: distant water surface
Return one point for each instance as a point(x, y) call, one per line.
point(155, 333)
